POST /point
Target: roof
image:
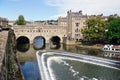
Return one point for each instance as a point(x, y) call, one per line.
point(116, 46)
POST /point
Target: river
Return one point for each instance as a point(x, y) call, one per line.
point(66, 68)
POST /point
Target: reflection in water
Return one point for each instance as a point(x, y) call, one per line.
point(39, 43)
point(28, 64)
point(23, 47)
point(112, 55)
point(55, 42)
point(30, 70)
point(55, 46)
point(22, 44)
point(76, 49)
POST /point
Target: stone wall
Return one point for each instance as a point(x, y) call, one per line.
point(10, 69)
point(3, 41)
point(47, 32)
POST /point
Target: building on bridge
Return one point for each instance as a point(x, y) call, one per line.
point(75, 22)
point(68, 27)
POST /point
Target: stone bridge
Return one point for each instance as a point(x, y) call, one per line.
point(46, 32)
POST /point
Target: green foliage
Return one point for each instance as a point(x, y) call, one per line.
point(52, 20)
point(95, 30)
point(21, 20)
point(114, 29)
point(96, 27)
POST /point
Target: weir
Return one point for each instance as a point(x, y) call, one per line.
point(60, 65)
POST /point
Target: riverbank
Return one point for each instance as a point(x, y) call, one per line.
point(96, 46)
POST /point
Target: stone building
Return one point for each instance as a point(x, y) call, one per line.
point(67, 28)
point(75, 22)
point(62, 21)
point(3, 22)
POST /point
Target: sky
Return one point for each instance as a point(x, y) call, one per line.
point(33, 10)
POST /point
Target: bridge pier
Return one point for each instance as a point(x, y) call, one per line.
point(68, 41)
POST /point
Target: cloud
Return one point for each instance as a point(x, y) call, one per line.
point(58, 15)
point(106, 7)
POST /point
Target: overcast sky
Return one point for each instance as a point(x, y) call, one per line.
point(52, 9)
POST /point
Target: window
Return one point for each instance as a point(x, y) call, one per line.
point(77, 24)
point(77, 35)
point(39, 30)
point(77, 30)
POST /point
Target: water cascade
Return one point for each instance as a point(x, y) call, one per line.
point(59, 65)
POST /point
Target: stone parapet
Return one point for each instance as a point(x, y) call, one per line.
point(3, 42)
point(9, 66)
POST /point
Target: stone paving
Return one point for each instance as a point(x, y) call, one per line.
point(3, 41)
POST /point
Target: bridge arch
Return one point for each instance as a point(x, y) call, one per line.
point(23, 39)
point(39, 42)
point(23, 43)
point(55, 39)
point(55, 42)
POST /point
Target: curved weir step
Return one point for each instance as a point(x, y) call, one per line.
point(60, 65)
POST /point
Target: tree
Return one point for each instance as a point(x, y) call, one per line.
point(21, 20)
point(113, 33)
point(95, 30)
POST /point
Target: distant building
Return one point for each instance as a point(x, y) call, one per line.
point(3, 22)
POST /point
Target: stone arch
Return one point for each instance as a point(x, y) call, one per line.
point(23, 43)
point(55, 42)
point(39, 42)
point(23, 39)
point(55, 39)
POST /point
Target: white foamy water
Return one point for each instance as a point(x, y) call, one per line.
point(58, 57)
point(52, 75)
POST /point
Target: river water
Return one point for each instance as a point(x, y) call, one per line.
point(66, 67)
point(60, 65)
